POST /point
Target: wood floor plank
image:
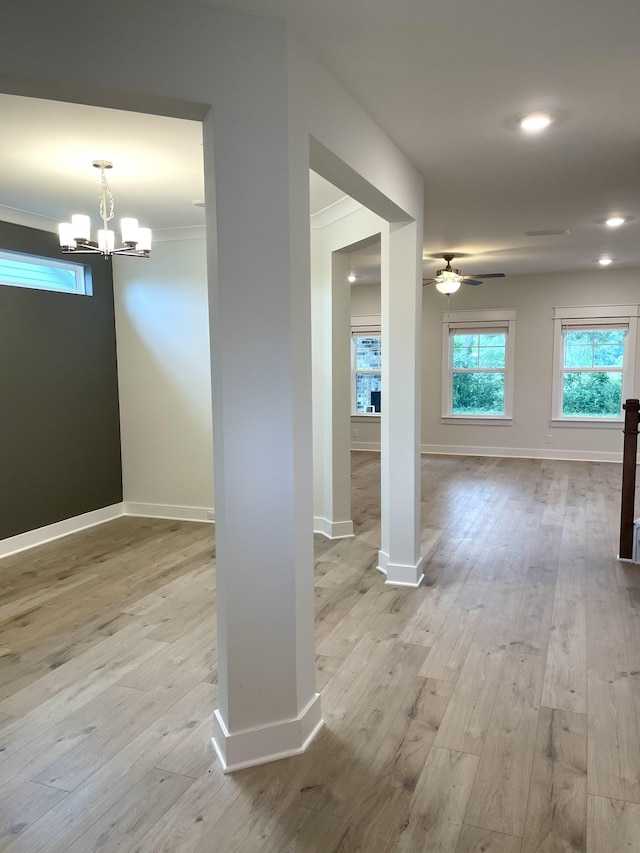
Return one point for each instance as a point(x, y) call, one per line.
point(194, 817)
point(473, 839)
point(27, 750)
point(615, 825)
point(437, 809)
point(531, 632)
point(133, 717)
point(69, 819)
point(500, 792)
point(613, 742)
point(452, 643)
point(23, 603)
point(48, 702)
point(306, 831)
point(467, 717)
point(565, 678)
point(27, 805)
point(128, 820)
point(557, 811)
point(194, 754)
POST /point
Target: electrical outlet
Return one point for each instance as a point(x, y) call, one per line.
point(210, 515)
point(354, 433)
point(549, 439)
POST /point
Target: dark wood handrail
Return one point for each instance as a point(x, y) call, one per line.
point(631, 408)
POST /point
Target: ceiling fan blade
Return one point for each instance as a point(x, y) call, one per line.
point(489, 275)
point(468, 280)
point(427, 281)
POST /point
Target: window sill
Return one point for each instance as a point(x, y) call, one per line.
point(477, 420)
point(365, 416)
point(588, 423)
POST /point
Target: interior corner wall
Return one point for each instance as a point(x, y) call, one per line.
point(534, 297)
point(162, 332)
point(59, 424)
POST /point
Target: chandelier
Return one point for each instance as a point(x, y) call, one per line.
point(75, 236)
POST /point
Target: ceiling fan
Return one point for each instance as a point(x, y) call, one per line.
point(448, 280)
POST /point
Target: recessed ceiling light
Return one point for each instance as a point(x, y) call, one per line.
point(615, 221)
point(351, 278)
point(604, 262)
point(535, 122)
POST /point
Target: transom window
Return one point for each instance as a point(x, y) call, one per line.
point(478, 364)
point(594, 362)
point(40, 273)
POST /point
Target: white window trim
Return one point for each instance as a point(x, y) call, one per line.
point(597, 314)
point(81, 273)
point(484, 318)
point(361, 326)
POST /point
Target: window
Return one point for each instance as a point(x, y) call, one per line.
point(594, 358)
point(478, 351)
point(20, 270)
point(366, 367)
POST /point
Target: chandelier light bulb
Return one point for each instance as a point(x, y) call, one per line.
point(81, 226)
point(144, 239)
point(65, 233)
point(351, 278)
point(604, 262)
point(106, 241)
point(615, 221)
point(129, 230)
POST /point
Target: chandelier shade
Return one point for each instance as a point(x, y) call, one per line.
point(75, 236)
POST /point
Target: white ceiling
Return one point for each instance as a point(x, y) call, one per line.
point(47, 148)
point(447, 81)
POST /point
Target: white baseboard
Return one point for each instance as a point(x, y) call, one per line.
point(268, 743)
point(523, 453)
point(332, 529)
point(32, 538)
point(366, 445)
point(169, 511)
point(509, 452)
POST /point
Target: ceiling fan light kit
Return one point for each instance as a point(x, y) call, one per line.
point(75, 236)
point(448, 280)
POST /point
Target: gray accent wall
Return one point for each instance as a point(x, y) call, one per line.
point(59, 416)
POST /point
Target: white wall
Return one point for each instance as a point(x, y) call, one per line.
point(164, 378)
point(534, 297)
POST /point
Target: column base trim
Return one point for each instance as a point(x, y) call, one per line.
point(400, 574)
point(333, 529)
point(251, 747)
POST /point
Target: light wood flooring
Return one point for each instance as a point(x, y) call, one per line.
point(494, 710)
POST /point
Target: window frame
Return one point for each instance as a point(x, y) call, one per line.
point(82, 273)
point(478, 322)
point(363, 326)
point(606, 316)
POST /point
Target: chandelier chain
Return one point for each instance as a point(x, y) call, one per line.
point(106, 199)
